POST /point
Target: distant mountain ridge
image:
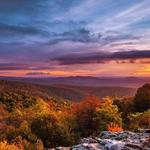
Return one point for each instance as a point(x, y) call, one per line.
point(59, 91)
point(133, 82)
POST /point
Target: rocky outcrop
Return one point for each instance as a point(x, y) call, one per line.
point(125, 140)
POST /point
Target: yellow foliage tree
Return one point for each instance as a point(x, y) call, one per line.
point(6, 146)
point(108, 113)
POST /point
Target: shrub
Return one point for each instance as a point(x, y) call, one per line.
point(38, 145)
point(51, 131)
point(113, 127)
point(140, 120)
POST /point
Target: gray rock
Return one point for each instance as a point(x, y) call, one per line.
point(115, 147)
point(124, 140)
point(62, 148)
point(134, 146)
point(126, 148)
point(88, 140)
point(107, 135)
point(86, 146)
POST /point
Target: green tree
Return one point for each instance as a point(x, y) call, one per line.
point(141, 101)
point(125, 108)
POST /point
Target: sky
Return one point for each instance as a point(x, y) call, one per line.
point(74, 38)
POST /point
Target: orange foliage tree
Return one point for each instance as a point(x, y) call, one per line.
point(93, 115)
point(85, 114)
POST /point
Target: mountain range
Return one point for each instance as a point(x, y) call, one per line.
point(62, 91)
point(132, 82)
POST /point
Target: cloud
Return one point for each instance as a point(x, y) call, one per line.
point(119, 57)
point(19, 66)
point(11, 66)
point(19, 29)
point(117, 37)
point(79, 35)
point(123, 19)
point(84, 35)
point(47, 23)
point(28, 20)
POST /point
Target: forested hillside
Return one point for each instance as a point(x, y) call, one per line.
point(30, 122)
point(73, 93)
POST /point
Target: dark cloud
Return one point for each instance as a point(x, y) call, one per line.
point(77, 35)
point(37, 73)
point(84, 35)
point(20, 66)
point(6, 29)
point(119, 57)
point(11, 66)
point(131, 54)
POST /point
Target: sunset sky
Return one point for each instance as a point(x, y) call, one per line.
point(74, 38)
